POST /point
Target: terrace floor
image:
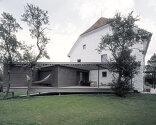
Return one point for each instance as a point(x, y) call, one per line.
point(69, 89)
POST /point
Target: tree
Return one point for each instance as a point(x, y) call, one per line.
point(126, 67)
point(152, 61)
point(9, 45)
point(151, 70)
point(37, 19)
point(124, 35)
point(1, 77)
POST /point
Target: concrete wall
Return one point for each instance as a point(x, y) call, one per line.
point(93, 76)
point(53, 79)
point(17, 76)
point(138, 80)
point(67, 76)
point(61, 76)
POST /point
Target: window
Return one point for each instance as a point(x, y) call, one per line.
point(104, 74)
point(84, 46)
point(104, 58)
point(78, 60)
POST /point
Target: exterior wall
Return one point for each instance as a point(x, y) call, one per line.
point(35, 75)
point(93, 76)
point(67, 76)
point(90, 54)
point(91, 40)
point(61, 76)
point(138, 80)
point(17, 76)
point(53, 79)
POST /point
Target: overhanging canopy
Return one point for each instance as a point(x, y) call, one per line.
point(77, 65)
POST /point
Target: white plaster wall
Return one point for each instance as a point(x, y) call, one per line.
point(90, 54)
point(138, 80)
point(93, 76)
point(91, 40)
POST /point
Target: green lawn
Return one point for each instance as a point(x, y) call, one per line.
point(16, 94)
point(94, 109)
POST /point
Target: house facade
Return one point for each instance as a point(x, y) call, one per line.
point(86, 72)
point(84, 50)
point(54, 77)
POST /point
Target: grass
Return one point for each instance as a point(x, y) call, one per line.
point(94, 109)
point(10, 95)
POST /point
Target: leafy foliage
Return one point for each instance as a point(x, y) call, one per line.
point(36, 19)
point(125, 34)
point(150, 70)
point(1, 75)
point(125, 63)
point(126, 67)
point(152, 63)
point(9, 46)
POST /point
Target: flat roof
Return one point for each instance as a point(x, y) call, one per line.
point(77, 65)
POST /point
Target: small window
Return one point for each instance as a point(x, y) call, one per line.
point(84, 46)
point(104, 74)
point(79, 60)
point(104, 58)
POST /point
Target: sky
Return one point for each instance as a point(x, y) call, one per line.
point(69, 18)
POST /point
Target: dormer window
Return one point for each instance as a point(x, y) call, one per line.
point(84, 46)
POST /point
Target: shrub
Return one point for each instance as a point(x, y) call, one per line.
point(122, 87)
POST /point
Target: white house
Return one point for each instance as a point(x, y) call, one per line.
point(84, 50)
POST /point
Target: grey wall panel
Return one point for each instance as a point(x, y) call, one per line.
point(67, 76)
point(53, 80)
point(17, 76)
point(61, 76)
point(35, 75)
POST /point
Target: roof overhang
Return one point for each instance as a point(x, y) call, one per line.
point(77, 65)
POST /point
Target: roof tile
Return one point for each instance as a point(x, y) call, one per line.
point(101, 22)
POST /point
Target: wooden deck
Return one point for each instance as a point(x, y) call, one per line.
point(70, 89)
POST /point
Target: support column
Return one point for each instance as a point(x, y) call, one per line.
point(98, 76)
point(154, 80)
point(131, 82)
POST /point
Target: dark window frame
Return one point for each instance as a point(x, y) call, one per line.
point(84, 47)
point(104, 74)
point(78, 60)
point(102, 58)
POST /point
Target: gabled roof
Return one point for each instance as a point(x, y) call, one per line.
point(99, 23)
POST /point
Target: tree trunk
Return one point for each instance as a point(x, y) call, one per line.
point(29, 88)
point(8, 87)
point(29, 84)
point(119, 78)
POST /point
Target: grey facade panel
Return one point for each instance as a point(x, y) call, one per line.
point(61, 76)
point(53, 80)
point(17, 76)
point(67, 76)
